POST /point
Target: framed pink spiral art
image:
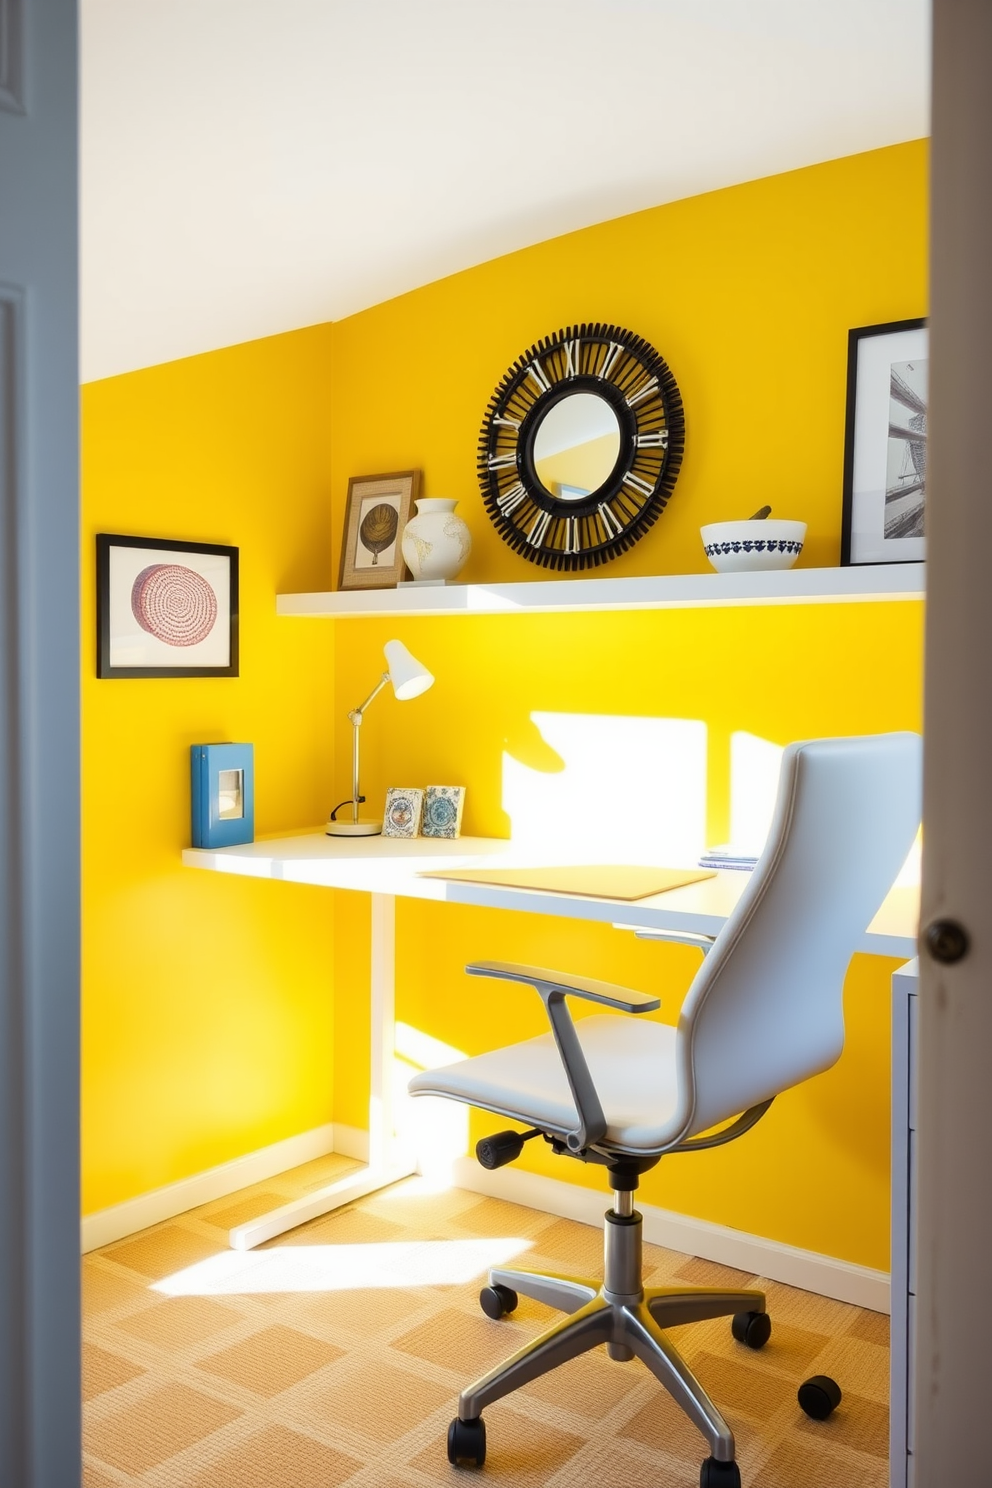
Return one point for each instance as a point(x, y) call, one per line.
point(165, 608)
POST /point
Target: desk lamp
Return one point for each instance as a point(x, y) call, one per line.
point(409, 678)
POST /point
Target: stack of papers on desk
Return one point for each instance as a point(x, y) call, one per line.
point(728, 857)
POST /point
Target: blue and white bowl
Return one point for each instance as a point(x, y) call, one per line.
point(733, 547)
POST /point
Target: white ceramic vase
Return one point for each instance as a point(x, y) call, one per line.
point(436, 543)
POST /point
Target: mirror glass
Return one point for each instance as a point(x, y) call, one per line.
point(576, 446)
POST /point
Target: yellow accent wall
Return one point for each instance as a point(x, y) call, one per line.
point(749, 294)
point(207, 1007)
point(222, 1014)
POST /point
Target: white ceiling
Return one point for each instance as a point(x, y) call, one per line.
point(252, 166)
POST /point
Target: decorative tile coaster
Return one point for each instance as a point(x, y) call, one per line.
point(404, 806)
point(443, 810)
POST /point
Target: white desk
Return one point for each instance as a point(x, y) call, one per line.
point(389, 867)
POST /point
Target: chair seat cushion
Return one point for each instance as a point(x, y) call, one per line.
point(633, 1067)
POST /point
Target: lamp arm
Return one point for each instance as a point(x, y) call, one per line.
point(371, 697)
point(355, 719)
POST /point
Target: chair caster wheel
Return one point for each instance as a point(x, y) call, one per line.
point(819, 1396)
point(497, 1301)
point(752, 1328)
point(467, 1442)
point(715, 1474)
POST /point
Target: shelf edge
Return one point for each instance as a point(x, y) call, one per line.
point(877, 583)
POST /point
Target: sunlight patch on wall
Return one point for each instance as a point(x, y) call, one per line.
point(633, 790)
point(754, 770)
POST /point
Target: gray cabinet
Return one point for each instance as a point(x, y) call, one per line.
point(905, 1005)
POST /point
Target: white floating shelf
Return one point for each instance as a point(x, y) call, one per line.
point(865, 583)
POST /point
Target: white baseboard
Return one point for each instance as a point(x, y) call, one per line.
point(807, 1269)
point(752, 1253)
point(107, 1225)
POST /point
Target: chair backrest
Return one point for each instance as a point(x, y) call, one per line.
point(765, 1010)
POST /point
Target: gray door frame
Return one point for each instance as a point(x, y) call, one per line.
point(39, 748)
point(954, 1305)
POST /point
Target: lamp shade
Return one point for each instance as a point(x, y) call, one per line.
point(409, 676)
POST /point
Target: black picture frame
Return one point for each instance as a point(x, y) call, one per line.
point(853, 547)
point(155, 603)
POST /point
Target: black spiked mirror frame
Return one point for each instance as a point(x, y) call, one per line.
point(629, 375)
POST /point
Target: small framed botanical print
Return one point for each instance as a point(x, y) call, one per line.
point(404, 807)
point(378, 508)
point(166, 608)
point(885, 447)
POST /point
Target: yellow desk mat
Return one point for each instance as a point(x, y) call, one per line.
point(595, 881)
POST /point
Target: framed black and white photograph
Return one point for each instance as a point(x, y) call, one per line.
point(885, 445)
point(166, 608)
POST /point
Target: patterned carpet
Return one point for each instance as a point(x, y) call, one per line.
point(334, 1355)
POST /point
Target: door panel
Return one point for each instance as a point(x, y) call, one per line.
point(39, 749)
point(954, 1303)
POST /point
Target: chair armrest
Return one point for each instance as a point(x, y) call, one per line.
point(553, 989)
point(624, 999)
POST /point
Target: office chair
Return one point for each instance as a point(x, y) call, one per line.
point(764, 1012)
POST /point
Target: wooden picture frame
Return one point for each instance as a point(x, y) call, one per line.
point(165, 608)
point(371, 556)
point(885, 444)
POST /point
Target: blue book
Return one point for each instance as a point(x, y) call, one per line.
point(222, 777)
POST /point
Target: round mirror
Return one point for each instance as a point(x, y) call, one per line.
point(576, 446)
point(580, 446)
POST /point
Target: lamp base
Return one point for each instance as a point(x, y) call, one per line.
point(353, 829)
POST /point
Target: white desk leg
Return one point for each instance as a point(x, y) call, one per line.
point(382, 1043)
point(383, 1167)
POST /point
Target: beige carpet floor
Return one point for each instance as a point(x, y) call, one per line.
point(335, 1354)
